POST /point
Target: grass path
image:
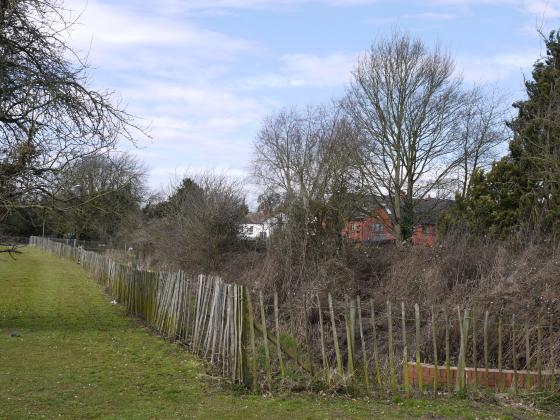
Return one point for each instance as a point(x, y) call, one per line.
point(78, 356)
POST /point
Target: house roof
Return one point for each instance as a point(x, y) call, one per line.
point(426, 210)
point(255, 218)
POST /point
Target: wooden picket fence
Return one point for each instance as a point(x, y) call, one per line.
point(356, 347)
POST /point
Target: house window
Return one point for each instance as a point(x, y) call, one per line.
point(354, 226)
point(262, 235)
point(250, 230)
point(377, 227)
point(427, 229)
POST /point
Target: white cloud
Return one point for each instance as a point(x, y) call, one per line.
point(194, 84)
point(425, 16)
point(111, 30)
point(174, 75)
point(487, 69)
point(543, 8)
point(431, 16)
point(190, 5)
point(306, 70)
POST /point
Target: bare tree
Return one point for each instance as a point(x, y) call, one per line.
point(406, 103)
point(97, 194)
point(198, 224)
point(482, 130)
point(304, 157)
point(49, 116)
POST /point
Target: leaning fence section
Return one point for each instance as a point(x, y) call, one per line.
point(355, 345)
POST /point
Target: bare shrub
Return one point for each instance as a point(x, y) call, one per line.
point(196, 227)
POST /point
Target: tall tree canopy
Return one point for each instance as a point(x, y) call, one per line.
point(522, 190)
point(406, 103)
point(49, 115)
point(98, 195)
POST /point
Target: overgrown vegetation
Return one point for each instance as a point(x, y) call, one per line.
point(312, 173)
point(94, 362)
point(407, 129)
point(520, 194)
point(50, 117)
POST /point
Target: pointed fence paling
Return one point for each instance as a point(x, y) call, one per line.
point(370, 349)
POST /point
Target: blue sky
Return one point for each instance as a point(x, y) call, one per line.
point(204, 73)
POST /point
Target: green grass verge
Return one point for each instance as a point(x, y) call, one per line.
point(78, 356)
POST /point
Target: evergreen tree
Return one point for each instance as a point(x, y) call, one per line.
point(522, 190)
point(536, 143)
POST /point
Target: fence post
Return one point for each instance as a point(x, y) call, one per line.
point(335, 339)
point(406, 381)
point(265, 340)
point(391, 350)
point(251, 325)
point(349, 339)
point(418, 356)
point(277, 328)
point(447, 351)
point(434, 341)
point(459, 379)
point(375, 350)
point(514, 354)
point(528, 379)
point(486, 314)
point(364, 354)
point(474, 349)
point(552, 381)
point(235, 333)
point(500, 345)
point(308, 341)
point(323, 347)
point(226, 356)
point(539, 354)
point(466, 320)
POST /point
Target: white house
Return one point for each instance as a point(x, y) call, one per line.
point(259, 225)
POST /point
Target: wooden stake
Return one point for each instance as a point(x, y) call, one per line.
point(552, 382)
point(278, 347)
point(447, 352)
point(474, 349)
point(528, 379)
point(417, 348)
point(242, 330)
point(364, 355)
point(323, 347)
point(352, 320)
point(434, 341)
point(539, 354)
point(459, 379)
point(405, 351)
point(375, 350)
point(514, 354)
point(235, 333)
point(501, 382)
point(308, 342)
point(486, 367)
point(391, 350)
point(349, 340)
point(251, 322)
point(265, 340)
point(339, 367)
point(466, 320)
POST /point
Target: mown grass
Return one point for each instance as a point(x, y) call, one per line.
point(78, 356)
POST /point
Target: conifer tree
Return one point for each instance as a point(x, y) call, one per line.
point(522, 190)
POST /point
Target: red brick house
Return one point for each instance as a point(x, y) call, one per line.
point(377, 227)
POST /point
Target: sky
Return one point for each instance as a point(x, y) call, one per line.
point(202, 74)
